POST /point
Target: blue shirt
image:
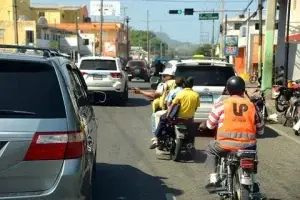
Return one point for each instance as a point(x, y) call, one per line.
point(173, 94)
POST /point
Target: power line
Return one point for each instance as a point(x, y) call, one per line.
point(196, 1)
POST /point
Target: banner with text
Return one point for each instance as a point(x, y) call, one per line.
point(231, 46)
point(110, 8)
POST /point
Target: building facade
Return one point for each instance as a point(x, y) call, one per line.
point(248, 43)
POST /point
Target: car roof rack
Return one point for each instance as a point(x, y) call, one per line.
point(23, 49)
point(203, 58)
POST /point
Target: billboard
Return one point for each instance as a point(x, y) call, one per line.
point(110, 8)
point(231, 46)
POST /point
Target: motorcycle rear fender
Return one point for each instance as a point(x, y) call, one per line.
point(181, 130)
point(245, 176)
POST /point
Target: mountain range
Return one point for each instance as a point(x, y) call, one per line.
point(182, 47)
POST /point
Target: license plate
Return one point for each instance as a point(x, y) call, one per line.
point(98, 77)
point(137, 71)
point(206, 99)
point(129, 74)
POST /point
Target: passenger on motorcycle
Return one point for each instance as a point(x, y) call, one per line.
point(184, 105)
point(237, 123)
point(158, 96)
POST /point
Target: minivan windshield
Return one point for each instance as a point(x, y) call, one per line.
point(29, 90)
point(206, 75)
point(98, 64)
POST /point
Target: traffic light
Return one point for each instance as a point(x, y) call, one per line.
point(189, 11)
point(279, 76)
point(221, 28)
point(176, 12)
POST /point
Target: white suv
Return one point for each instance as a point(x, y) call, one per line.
point(210, 78)
point(105, 74)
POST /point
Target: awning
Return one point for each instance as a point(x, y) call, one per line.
point(294, 38)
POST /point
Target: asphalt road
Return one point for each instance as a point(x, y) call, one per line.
point(127, 169)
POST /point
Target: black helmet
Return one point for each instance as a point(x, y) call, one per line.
point(235, 85)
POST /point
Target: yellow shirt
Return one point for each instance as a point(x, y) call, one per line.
point(189, 101)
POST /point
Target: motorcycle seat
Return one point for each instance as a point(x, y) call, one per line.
point(246, 153)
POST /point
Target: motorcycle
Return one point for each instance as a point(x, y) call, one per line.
point(236, 171)
point(253, 78)
point(292, 114)
point(175, 139)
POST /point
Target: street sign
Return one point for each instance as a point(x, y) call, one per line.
point(208, 16)
point(231, 45)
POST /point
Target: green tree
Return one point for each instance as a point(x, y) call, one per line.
point(204, 50)
point(139, 38)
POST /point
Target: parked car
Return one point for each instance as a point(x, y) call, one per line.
point(138, 69)
point(105, 74)
point(210, 78)
point(48, 130)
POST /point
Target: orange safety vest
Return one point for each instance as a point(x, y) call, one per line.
point(238, 130)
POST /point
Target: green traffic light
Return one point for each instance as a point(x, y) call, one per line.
point(179, 12)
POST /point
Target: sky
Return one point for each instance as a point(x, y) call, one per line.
point(179, 27)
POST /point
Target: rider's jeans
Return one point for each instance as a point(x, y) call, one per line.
point(155, 117)
point(214, 151)
point(153, 125)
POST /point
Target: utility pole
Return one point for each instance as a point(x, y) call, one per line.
point(225, 33)
point(267, 73)
point(287, 44)
point(221, 54)
point(77, 34)
point(260, 7)
point(213, 39)
point(148, 42)
point(101, 28)
point(247, 55)
point(128, 49)
point(161, 44)
point(16, 22)
point(124, 12)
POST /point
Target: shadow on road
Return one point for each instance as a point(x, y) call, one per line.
point(200, 156)
point(269, 133)
point(127, 182)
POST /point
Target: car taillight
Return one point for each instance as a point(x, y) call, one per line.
point(247, 163)
point(83, 73)
point(56, 146)
point(116, 75)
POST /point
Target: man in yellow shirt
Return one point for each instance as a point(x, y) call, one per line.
point(184, 105)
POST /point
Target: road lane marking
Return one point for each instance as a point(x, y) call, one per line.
point(283, 134)
point(170, 196)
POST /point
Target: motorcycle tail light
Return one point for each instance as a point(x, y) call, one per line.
point(247, 163)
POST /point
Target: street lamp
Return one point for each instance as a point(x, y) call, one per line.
point(127, 27)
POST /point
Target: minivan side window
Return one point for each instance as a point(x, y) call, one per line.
point(76, 87)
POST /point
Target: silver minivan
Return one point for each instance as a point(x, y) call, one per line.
point(47, 130)
point(210, 78)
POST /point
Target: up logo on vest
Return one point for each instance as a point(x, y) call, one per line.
point(239, 109)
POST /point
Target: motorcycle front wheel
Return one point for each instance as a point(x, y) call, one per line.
point(281, 103)
point(175, 150)
point(240, 192)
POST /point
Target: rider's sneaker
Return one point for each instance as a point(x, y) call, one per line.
point(212, 187)
point(214, 183)
point(153, 145)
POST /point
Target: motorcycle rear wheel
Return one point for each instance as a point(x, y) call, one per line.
point(240, 192)
point(175, 151)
